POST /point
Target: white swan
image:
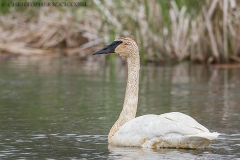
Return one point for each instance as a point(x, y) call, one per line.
point(173, 129)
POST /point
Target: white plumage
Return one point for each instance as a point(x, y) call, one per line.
point(175, 130)
point(166, 130)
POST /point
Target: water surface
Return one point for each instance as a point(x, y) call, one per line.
point(64, 109)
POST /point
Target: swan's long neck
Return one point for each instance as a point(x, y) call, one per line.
point(131, 96)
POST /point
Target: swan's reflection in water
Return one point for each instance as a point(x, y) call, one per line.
point(152, 154)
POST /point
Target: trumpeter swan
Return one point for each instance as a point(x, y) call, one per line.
point(173, 129)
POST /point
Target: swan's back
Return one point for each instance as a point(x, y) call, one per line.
point(166, 130)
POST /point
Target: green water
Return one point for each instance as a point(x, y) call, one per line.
point(60, 109)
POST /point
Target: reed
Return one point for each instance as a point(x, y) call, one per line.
point(199, 31)
point(182, 30)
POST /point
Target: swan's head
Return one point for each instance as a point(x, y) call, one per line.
point(123, 46)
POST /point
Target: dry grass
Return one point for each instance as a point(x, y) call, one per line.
point(163, 30)
point(50, 31)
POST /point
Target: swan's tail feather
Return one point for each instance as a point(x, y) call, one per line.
point(207, 135)
point(200, 140)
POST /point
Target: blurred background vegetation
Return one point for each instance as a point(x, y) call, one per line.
point(205, 31)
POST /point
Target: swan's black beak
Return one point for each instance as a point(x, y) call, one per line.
point(109, 49)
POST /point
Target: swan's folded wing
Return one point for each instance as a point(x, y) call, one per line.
point(185, 120)
point(147, 127)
